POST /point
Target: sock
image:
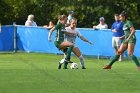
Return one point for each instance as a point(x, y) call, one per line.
point(82, 61)
point(115, 58)
point(134, 58)
point(68, 54)
point(62, 61)
point(65, 64)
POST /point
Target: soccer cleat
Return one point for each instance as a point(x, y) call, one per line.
point(59, 65)
point(107, 67)
point(83, 67)
point(138, 67)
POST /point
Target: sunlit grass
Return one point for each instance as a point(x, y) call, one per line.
point(38, 73)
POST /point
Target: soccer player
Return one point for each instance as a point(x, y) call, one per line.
point(128, 42)
point(71, 38)
point(59, 42)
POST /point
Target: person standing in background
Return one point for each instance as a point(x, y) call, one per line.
point(30, 21)
point(70, 17)
point(118, 34)
point(101, 25)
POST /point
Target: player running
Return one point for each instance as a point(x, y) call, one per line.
point(128, 43)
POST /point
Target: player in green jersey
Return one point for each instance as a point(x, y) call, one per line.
point(59, 42)
point(128, 43)
point(72, 38)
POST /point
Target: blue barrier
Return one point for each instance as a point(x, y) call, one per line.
point(7, 38)
point(34, 39)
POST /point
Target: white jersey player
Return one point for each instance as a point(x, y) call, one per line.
point(72, 37)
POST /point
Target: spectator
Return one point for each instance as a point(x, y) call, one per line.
point(30, 21)
point(51, 25)
point(118, 34)
point(101, 25)
point(70, 17)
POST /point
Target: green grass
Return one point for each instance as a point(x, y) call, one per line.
point(38, 73)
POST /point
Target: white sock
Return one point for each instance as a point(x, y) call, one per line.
point(62, 61)
point(82, 61)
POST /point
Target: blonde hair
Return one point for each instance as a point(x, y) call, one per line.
point(61, 17)
point(30, 17)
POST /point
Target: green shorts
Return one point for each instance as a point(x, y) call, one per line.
point(130, 41)
point(58, 43)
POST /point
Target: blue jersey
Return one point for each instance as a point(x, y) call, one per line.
point(119, 27)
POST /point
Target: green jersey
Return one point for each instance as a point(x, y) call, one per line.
point(126, 27)
point(59, 32)
point(59, 35)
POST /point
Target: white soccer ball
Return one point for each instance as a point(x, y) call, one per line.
point(74, 66)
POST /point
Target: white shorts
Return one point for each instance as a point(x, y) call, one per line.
point(116, 42)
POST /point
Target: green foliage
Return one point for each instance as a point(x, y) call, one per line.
point(86, 11)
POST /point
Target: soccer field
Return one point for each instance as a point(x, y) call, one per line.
point(38, 73)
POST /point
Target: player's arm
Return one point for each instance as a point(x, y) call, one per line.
point(122, 37)
point(114, 30)
point(132, 29)
point(119, 27)
point(84, 39)
point(50, 33)
point(68, 32)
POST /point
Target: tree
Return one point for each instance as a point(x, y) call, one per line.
point(86, 11)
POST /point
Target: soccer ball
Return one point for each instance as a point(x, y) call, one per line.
point(74, 66)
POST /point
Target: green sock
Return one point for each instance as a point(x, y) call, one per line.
point(65, 64)
point(134, 58)
point(68, 54)
point(115, 58)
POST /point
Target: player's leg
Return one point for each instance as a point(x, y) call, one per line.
point(77, 52)
point(114, 45)
point(65, 44)
point(64, 47)
point(122, 48)
point(118, 43)
point(69, 47)
point(62, 60)
point(130, 53)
